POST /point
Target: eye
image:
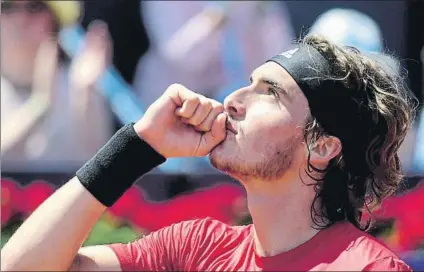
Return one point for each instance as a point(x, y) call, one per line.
point(272, 91)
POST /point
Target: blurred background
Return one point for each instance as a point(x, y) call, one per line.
point(73, 72)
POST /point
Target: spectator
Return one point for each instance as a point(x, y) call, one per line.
point(127, 31)
point(46, 124)
point(201, 67)
point(126, 28)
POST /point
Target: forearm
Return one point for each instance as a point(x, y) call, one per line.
point(50, 238)
point(22, 123)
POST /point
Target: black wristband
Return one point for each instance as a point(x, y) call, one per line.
point(117, 165)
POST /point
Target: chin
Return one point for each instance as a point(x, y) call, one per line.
point(243, 163)
point(223, 156)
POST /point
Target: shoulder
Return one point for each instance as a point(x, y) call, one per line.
point(377, 256)
point(196, 231)
point(209, 227)
point(360, 251)
point(388, 264)
point(372, 247)
point(165, 248)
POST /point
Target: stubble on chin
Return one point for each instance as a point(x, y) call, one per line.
point(273, 164)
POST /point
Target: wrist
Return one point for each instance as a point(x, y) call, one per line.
point(117, 165)
point(145, 133)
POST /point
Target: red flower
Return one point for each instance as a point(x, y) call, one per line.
point(34, 194)
point(127, 203)
point(10, 199)
point(407, 210)
point(220, 202)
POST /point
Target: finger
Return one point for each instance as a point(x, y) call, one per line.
point(179, 94)
point(189, 108)
point(218, 131)
point(215, 136)
point(201, 112)
point(98, 39)
point(97, 31)
point(206, 125)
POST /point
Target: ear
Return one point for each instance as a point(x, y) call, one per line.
point(325, 149)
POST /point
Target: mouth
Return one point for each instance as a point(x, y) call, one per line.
point(230, 127)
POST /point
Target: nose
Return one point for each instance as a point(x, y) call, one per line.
point(234, 104)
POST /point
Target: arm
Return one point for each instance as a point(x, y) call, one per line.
point(90, 119)
point(32, 113)
point(50, 238)
point(52, 235)
point(23, 121)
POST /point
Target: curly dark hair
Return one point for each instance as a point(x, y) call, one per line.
point(343, 191)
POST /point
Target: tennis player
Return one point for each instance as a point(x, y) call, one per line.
point(313, 139)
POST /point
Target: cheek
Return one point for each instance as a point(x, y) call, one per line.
point(267, 126)
point(265, 119)
point(43, 30)
point(41, 27)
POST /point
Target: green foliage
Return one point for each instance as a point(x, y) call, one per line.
point(104, 232)
point(7, 232)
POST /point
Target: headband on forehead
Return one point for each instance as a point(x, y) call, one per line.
point(303, 63)
point(337, 108)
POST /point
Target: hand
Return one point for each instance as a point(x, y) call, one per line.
point(95, 56)
point(182, 123)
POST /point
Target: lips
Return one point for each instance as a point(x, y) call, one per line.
point(230, 127)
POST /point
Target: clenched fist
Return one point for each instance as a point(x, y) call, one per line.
point(182, 123)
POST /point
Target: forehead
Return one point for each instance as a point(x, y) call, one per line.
point(278, 74)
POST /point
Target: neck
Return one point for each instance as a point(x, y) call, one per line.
point(281, 214)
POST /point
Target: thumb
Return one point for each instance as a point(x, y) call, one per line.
point(215, 136)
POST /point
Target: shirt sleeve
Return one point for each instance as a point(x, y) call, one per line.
point(159, 251)
point(387, 264)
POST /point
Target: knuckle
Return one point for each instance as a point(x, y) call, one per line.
point(194, 121)
point(206, 105)
point(219, 108)
point(195, 100)
point(202, 128)
point(184, 114)
point(176, 86)
point(207, 126)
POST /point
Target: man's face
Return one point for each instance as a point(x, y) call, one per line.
point(24, 25)
point(268, 118)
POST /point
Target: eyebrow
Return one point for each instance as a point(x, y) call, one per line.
point(271, 82)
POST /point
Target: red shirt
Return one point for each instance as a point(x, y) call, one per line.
point(210, 245)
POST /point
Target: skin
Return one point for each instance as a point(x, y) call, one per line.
point(30, 61)
point(261, 145)
point(22, 34)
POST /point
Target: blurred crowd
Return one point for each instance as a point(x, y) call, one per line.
point(58, 109)
point(54, 117)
